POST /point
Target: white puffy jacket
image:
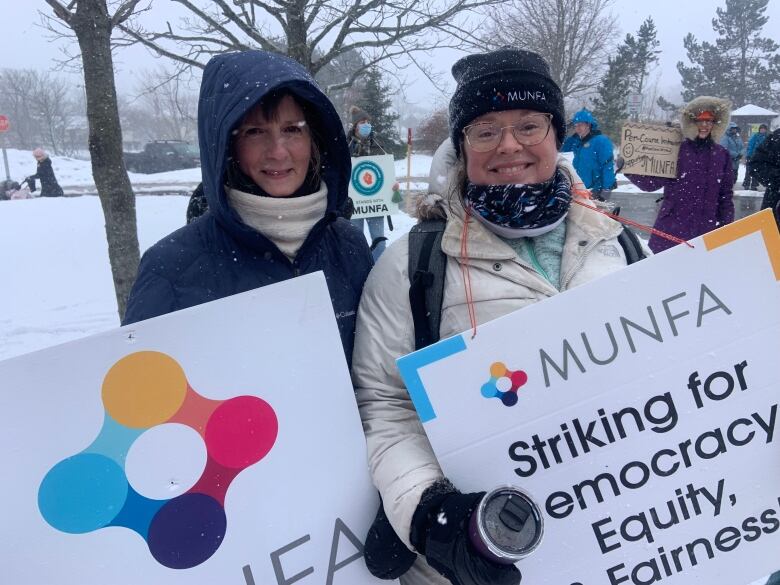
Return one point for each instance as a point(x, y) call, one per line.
point(400, 457)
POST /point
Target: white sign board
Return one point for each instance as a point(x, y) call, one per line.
point(371, 186)
point(634, 103)
point(643, 423)
point(218, 444)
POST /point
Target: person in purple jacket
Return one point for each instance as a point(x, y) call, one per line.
point(699, 199)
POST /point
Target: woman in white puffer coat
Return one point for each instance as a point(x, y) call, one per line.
point(510, 200)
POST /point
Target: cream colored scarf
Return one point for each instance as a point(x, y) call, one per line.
point(286, 221)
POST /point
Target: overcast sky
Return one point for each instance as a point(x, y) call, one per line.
point(24, 44)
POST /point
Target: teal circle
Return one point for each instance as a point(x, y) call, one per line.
point(82, 493)
point(489, 389)
point(373, 167)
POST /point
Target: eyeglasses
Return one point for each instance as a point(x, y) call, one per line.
point(705, 122)
point(264, 135)
point(531, 130)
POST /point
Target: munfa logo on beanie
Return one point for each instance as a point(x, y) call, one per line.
point(526, 95)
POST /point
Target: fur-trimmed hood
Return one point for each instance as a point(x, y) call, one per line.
point(721, 108)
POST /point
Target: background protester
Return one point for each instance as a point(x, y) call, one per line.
point(511, 237)
point(594, 158)
point(766, 165)
point(45, 174)
point(750, 182)
point(733, 143)
point(362, 142)
point(700, 198)
point(275, 172)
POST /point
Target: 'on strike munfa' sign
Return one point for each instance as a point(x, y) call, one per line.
point(640, 411)
point(217, 444)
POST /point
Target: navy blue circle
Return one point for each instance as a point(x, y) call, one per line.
point(186, 531)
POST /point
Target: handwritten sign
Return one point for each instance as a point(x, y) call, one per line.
point(650, 149)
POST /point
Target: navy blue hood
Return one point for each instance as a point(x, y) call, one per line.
point(233, 83)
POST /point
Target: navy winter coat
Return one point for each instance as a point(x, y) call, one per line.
point(45, 174)
point(766, 165)
point(218, 255)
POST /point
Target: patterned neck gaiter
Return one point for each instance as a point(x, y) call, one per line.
point(531, 208)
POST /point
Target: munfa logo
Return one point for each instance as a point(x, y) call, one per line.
point(367, 178)
point(520, 96)
point(91, 490)
point(511, 381)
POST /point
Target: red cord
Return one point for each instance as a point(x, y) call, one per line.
point(578, 194)
point(585, 194)
point(464, 268)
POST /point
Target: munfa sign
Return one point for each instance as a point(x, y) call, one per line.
point(644, 427)
point(650, 149)
point(203, 446)
point(371, 186)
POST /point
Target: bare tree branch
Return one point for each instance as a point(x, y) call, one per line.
point(125, 11)
point(315, 32)
point(574, 36)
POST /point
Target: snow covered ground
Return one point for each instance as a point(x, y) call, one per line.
point(54, 259)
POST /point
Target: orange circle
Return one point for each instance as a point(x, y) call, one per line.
point(144, 389)
point(497, 370)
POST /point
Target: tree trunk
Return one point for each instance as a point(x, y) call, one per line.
point(92, 26)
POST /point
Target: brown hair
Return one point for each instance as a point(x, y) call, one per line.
point(269, 107)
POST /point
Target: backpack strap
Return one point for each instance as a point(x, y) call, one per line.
point(427, 265)
point(631, 246)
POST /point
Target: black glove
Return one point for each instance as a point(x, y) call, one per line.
point(620, 163)
point(385, 554)
point(440, 531)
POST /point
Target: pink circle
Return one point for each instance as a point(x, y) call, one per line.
point(518, 379)
point(241, 431)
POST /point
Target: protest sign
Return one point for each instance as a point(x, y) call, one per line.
point(217, 444)
point(371, 186)
point(639, 411)
point(650, 149)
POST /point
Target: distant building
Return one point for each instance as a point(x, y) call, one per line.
point(750, 116)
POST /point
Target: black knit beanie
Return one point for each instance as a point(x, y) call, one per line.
point(505, 79)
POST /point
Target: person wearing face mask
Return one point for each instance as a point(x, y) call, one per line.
point(362, 142)
point(700, 198)
point(512, 237)
point(276, 169)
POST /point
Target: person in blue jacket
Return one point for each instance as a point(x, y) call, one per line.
point(751, 182)
point(276, 167)
point(594, 159)
point(732, 142)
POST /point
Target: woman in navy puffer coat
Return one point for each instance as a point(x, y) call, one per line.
point(700, 198)
point(275, 168)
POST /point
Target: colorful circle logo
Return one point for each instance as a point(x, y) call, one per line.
point(499, 374)
point(367, 178)
point(90, 490)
